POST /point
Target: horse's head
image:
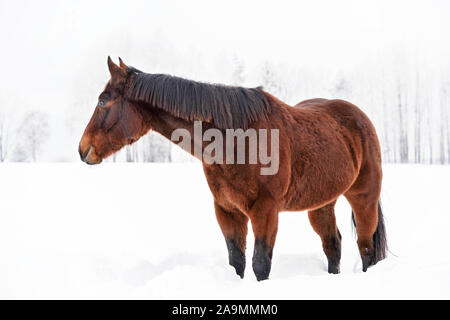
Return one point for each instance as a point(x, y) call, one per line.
point(116, 121)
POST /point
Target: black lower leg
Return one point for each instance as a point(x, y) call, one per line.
point(332, 249)
point(236, 257)
point(234, 228)
point(323, 222)
point(262, 260)
point(366, 252)
point(365, 262)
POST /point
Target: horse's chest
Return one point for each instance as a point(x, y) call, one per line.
point(230, 192)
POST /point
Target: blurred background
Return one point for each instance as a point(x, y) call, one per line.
point(390, 58)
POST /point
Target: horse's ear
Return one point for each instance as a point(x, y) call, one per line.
point(114, 69)
point(122, 65)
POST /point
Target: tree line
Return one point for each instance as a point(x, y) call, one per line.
point(407, 101)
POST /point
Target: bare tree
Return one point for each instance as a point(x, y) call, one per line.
point(418, 123)
point(402, 125)
point(238, 75)
point(3, 138)
point(6, 126)
point(447, 120)
point(157, 148)
point(342, 88)
point(442, 125)
point(269, 80)
point(132, 152)
point(129, 154)
point(34, 130)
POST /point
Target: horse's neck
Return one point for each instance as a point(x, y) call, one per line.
point(165, 123)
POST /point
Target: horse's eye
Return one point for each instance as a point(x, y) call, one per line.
point(101, 103)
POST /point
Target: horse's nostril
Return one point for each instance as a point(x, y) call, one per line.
point(80, 153)
point(84, 155)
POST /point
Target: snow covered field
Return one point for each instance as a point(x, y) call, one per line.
point(149, 231)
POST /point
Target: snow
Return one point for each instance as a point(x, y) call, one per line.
point(146, 231)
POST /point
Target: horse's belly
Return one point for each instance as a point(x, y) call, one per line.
point(315, 189)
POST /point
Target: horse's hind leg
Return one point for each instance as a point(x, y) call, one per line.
point(234, 229)
point(363, 197)
point(323, 222)
point(365, 213)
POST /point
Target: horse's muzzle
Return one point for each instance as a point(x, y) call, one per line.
point(85, 156)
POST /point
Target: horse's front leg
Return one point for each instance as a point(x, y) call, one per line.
point(234, 228)
point(323, 222)
point(264, 218)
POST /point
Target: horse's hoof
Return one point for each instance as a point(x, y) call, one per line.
point(334, 269)
point(262, 276)
point(262, 270)
point(239, 269)
point(366, 262)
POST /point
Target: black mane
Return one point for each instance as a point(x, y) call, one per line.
point(227, 107)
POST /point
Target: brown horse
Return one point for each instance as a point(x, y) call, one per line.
point(326, 148)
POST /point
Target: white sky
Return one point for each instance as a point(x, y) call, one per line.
point(45, 43)
point(53, 53)
point(51, 49)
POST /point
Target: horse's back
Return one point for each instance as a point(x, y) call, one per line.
point(346, 114)
point(310, 102)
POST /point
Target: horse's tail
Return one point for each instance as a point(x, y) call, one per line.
point(379, 239)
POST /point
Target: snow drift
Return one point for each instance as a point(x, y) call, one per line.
point(149, 231)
